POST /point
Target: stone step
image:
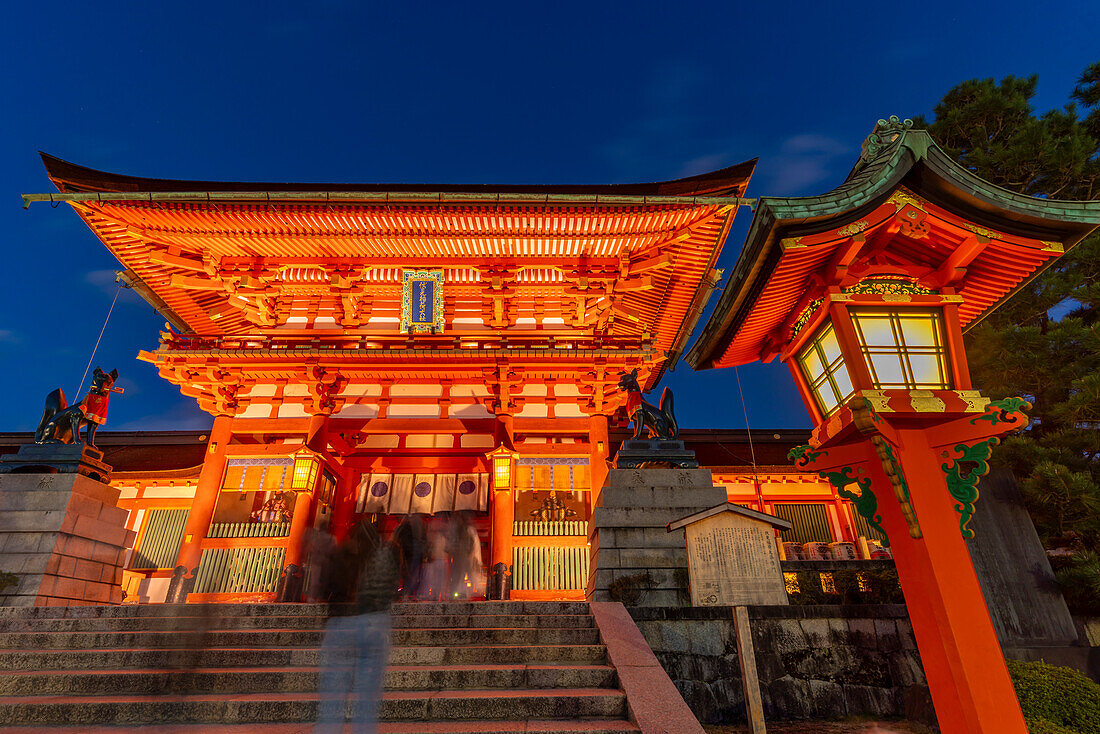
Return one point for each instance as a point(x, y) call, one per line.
point(405, 706)
point(297, 679)
point(279, 610)
point(289, 657)
point(294, 622)
point(292, 638)
point(531, 726)
point(459, 621)
point(166, 610)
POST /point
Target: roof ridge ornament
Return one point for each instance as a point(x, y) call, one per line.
point(886, 133)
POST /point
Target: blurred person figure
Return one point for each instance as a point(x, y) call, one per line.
point(320, 547)
point(194, 628)
point(362, 584)
point(411, 541)
point(433, 586)
point(464, 544)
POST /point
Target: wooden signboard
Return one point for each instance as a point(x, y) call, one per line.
point(732, 557)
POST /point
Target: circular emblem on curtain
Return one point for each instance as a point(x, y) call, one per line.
point(467, 487)
point(379, 489)
point(423, 489)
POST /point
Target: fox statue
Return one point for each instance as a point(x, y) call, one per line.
point(61, 423)
point(658, 419)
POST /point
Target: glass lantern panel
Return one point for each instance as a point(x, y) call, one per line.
point(826, 397)
point(843, 382)
point(875, 331)
point(830, 347)
point(927, 370)
point(888, 369)
point(811, 365)
point(304, 471)
point(920, 332)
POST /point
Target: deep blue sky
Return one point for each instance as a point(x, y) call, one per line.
point(454, 92)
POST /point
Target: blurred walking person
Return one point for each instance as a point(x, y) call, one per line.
point(362, 583)
point(411, 541)
point(437, 567)
point(467, 576)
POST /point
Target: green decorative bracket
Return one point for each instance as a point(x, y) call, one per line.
point(1000, 411)
point(962, 481)
point(865, 502)
point(896, 475)
point(804, 455)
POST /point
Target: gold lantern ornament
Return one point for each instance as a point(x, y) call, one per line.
point(304, 472)
point(503, 462)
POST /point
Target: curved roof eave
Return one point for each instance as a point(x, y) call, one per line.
point(73, 178)
point(914, 158)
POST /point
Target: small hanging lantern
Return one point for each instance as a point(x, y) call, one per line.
point(304, 472)
point(502, 462)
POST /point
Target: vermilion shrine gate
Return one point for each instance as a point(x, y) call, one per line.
point(366, 347)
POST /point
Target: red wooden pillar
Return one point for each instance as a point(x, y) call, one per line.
point(502, 503)
point(598, 453)
point(299, 526)
point(343, 511)
point(911, 461)
point(206, 493)
point(962, 658)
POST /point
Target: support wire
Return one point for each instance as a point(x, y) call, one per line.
point(99, 339)
point(748, 432)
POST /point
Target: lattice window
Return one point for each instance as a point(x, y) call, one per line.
point(160, 541)
point(823, 366)
point(904, 349)
point(810, 521)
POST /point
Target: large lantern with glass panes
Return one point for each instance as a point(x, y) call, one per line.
point(864, 292)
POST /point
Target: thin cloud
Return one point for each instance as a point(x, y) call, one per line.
point(803, 161)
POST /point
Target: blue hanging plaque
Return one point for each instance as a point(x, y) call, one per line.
point(421, 301)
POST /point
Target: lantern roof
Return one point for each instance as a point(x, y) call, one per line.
point(906, 209)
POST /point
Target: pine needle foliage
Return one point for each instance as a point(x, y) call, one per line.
point(1043, 344)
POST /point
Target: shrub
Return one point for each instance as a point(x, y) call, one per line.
point(1051, 695)
point(1042, 726)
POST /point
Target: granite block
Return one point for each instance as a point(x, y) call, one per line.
point(89, 527)
point(659, 477)
point(88, 570)
point(23, 521)
point(641, 538)
point(64, 537)
point(662, 497)
point(652, 558)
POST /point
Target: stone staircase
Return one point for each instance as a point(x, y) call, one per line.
point(454, 667)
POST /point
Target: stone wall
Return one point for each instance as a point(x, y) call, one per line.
point(628, 532)
point(814, 662)
point(64, 538)
point(1027, 609)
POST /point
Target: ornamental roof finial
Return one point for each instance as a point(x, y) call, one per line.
point(884, 135)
